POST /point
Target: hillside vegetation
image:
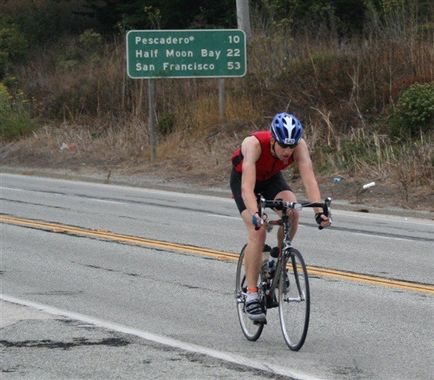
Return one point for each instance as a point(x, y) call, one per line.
point(359, 74)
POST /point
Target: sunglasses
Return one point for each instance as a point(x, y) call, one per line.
point(284, 146)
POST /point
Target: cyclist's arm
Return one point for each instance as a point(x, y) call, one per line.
point(305, 167)
point(251, 150)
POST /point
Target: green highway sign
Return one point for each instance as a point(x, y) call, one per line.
point(186, 53)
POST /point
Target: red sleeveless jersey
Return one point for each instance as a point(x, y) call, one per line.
point(267, 165)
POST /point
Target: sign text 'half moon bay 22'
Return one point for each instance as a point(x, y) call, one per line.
point(186, 53)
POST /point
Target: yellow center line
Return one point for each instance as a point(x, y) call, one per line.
point(112, 236)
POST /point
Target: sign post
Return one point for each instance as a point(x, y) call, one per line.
point(151, 118)
point(194, 53)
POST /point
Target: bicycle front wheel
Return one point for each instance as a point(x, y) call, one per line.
point(251, 330)
point(294, 300)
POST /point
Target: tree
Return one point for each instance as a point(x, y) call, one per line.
point(173, 14)
point(347, 15)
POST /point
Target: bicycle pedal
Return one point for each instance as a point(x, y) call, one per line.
point(264, 322)
point(272, 303)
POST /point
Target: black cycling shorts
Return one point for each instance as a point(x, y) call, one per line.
point(269, 188)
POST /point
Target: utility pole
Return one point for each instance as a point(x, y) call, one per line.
point(243, 23)
point(243, 17)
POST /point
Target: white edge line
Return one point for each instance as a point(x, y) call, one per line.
point(225, 216)
point(228, 357)
point(373, 235)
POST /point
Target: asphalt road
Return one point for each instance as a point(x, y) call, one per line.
point(78, 305)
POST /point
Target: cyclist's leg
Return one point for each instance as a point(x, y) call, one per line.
point(252, 265)
point(288, 196)
point(251, 329)
point(278, 188)
point(253, 253)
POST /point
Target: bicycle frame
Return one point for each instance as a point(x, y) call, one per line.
point(285, 252)
point(284, 221)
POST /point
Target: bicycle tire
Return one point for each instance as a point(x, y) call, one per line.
point(251, 330)
point(294, 300)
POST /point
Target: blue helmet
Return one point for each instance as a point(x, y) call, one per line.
point(286, 129)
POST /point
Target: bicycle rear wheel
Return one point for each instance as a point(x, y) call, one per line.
point(294, 300)
point(251, 330)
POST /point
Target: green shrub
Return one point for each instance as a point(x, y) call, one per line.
point(91, 41)
point(5, 99)
point(43, 22)
point(166, 124)
point(15, 120)
point(92, 45)
point(88, 48)
point(414, 111)
point(12, 44)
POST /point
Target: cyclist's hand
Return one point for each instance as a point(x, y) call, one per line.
point(257, 221)
point(322, 220)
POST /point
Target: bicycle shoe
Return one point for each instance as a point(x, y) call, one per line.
point(255, 311)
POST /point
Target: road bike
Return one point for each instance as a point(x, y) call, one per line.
point(288, 290)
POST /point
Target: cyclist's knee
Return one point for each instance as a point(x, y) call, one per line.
point(258, 237)
point(294, 217)
point(286, 195)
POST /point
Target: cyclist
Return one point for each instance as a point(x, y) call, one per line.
point(257, 167)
